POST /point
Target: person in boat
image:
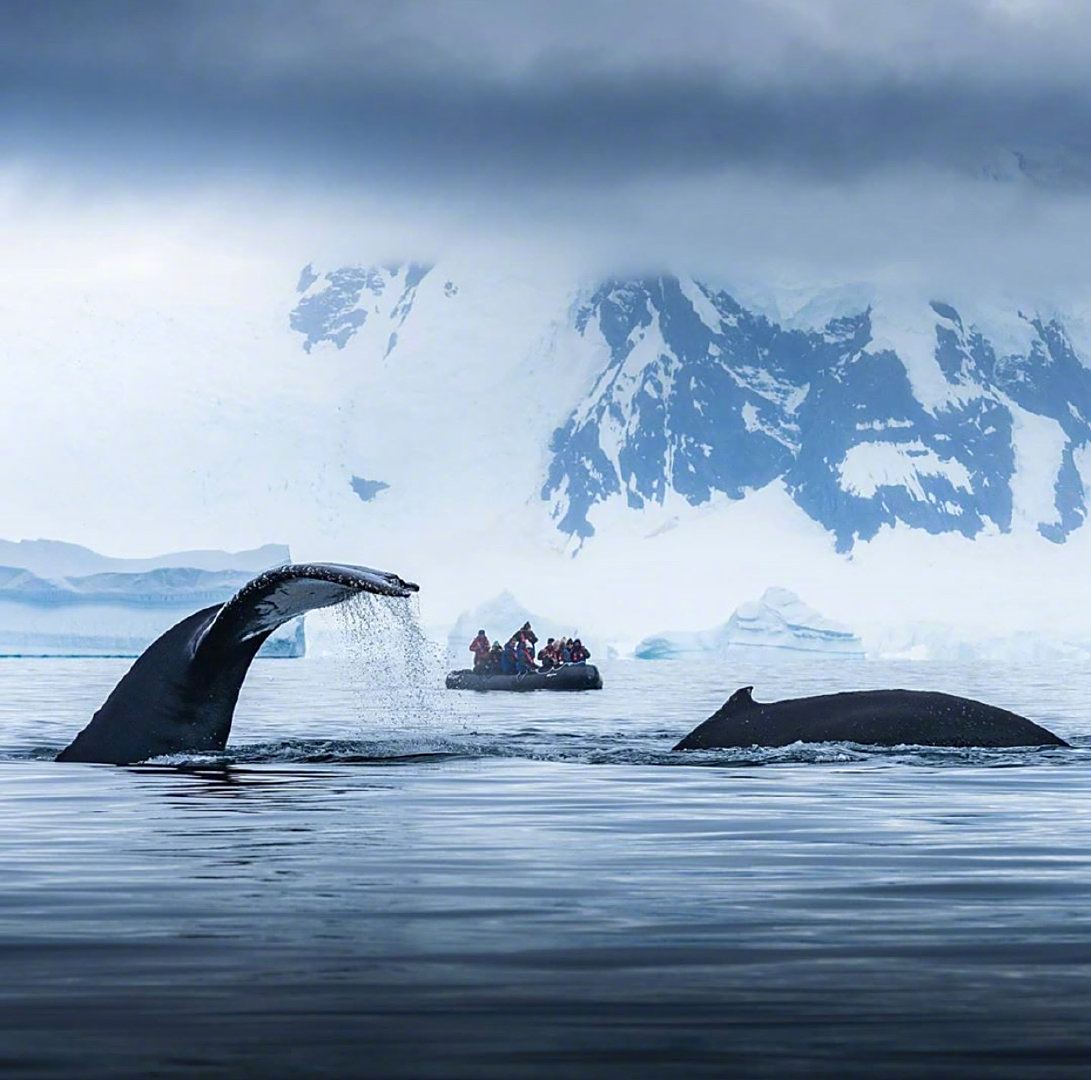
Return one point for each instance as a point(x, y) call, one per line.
point(494, 663)
point(507, 659)
point(546, 655)
point(524, 656)
point(480, 648)
point(564, 651)
point(580, 652)
point(524, 631)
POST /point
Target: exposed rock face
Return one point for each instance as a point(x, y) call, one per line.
point(702, 396)
point(334, 306)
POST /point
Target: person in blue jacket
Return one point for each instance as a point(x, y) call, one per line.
point(507, 659)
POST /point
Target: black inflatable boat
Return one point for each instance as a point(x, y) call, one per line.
point(568, 677)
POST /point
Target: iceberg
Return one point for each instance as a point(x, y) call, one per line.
point(71, 601)
point(56, 558)
point(778, 620)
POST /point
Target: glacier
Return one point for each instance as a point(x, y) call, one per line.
point(779, 619)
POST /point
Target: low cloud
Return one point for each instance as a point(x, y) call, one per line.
point(807, 140)
point(561, 94)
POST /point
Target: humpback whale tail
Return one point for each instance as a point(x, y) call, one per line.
point(180, 694)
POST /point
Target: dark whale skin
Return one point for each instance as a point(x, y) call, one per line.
point(180, 695)
point(869, 717)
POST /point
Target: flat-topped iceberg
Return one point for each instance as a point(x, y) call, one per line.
point(70, 601)
point(779, 620)
point(58, 558)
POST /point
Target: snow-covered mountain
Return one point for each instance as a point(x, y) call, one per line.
point(701, 395)
point(623, 453)
point(667, 428)
point(698, 395)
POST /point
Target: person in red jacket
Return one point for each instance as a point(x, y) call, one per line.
point(524, 655)
point(547, 656)
point(480, 648)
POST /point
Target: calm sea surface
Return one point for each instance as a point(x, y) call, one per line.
point(393, 881)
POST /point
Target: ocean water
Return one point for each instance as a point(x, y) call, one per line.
point(380, 877)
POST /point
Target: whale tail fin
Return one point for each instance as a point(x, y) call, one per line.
point(180, 695)
point(284, 592)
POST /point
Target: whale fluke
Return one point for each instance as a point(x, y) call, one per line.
point(870, 717)
point(180, 695)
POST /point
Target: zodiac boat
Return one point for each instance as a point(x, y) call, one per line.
point(566, 677)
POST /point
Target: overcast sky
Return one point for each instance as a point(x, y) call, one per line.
point(846, 134)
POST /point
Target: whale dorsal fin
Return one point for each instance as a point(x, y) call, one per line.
point(742, 699)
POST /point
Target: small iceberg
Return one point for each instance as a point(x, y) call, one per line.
point(778, 620)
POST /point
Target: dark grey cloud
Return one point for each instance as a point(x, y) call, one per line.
point(564, 94)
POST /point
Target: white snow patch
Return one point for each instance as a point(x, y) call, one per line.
point(882, 425)
point(869, 466)
point(1039, 443)
point(909, 330)
point(1006, 330)
point(751, 418)
point(705, 309)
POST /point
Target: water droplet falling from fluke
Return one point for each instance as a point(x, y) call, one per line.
point(395, 669)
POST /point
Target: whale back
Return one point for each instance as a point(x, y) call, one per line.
point(868, 717)
point(180, 694)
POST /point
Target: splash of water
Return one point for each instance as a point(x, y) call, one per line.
point(395, 670)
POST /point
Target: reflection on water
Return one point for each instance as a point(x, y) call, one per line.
point(516, 885)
